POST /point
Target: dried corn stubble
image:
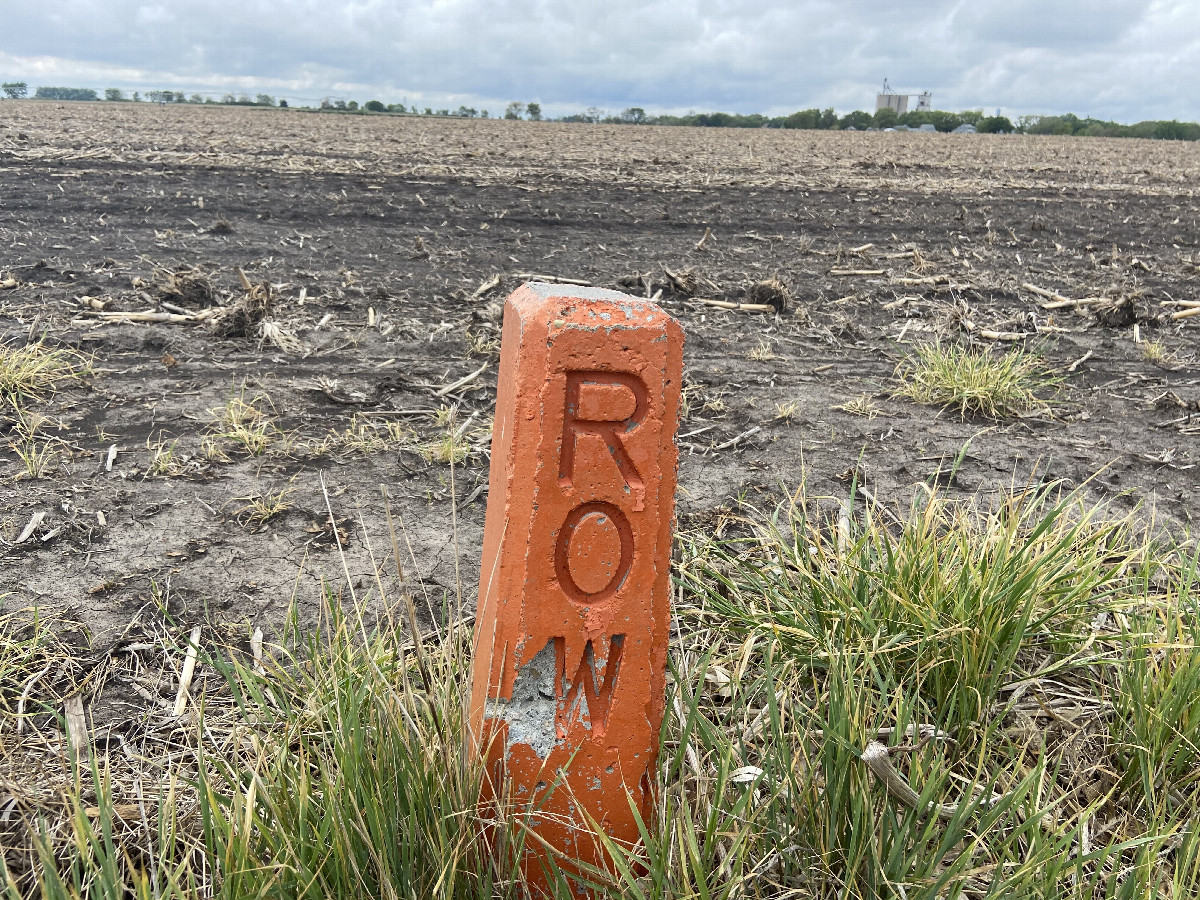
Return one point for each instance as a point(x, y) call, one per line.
point(1123, 312)
point(189, 287)
point(246, 314)
point(279, 336)
point(772, 292)
point(684, 283)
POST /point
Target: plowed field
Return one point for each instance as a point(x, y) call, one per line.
point(192, 476)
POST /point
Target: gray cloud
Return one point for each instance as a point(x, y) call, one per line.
point(1122, 59)
point(1036, 23)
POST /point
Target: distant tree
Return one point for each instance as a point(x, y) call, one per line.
point(805, 118)
point(428, 111)
point(995, 125)
point(1168, 131)
point(945, 121)
point(1176, 131)
point(514, 110)
point(467, 112)
point(483, 114)
point(65, 93)
point(1051, 125)
point(534, 111)
point(264, 100)
point(114, 95)
point(352, 105)
point(339, 104)
point(859, 119)
point(442, 112)
point(160, 96)
point(726, 120)
point(885, 118)
point(634, 115)
point(137, 98)
point(15, 90)
point(229, 98)
point(374, 106)
point(829, 119)
point(282, 103)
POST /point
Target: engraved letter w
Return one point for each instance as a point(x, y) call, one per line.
point(598, 698)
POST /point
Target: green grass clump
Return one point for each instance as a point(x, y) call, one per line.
point(988, 648)
point(357, 784)
point(1158, 701)
point(28, 647)
point(36, 371)
point(335, 768)
point(967, 590)
point(975, 383)
point(243, 424)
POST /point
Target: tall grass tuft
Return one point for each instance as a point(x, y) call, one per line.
point(1158, 696)
point(355, 783)
point(950, 636)
point(973, 382)
point(951, 603)
point(35, 371)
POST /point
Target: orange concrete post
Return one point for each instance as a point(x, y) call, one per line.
point(572, 627)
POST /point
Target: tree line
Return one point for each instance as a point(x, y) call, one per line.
point(942, 120)
point(19, 90)
point(815, 119)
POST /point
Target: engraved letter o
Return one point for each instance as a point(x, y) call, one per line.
point(562, 567)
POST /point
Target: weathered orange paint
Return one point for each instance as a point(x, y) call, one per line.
point(573, 619)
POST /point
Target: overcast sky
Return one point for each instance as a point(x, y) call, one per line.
point(1120, 59)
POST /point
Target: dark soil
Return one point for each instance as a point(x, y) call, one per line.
point(374, 273)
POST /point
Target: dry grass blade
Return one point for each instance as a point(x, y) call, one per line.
point(77, 729)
